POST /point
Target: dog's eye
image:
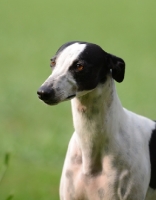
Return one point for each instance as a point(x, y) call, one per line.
point(79, 67)
point(52, 63)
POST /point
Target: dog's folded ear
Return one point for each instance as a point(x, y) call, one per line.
point(117, 66)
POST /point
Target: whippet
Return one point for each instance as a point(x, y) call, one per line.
point(112, 153)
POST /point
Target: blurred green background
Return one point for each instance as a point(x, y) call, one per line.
point(30, 32)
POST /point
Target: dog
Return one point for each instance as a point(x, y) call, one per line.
point(112, 153)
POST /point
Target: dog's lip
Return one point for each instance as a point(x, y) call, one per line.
point(51, 103)
point(71, 96)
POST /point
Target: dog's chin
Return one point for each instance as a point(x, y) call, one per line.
point(53, 103)
point(70, 97)
point(50, 103)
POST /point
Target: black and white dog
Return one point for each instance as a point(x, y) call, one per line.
point(112, 153)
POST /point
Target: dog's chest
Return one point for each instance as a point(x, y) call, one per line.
point(112, 183)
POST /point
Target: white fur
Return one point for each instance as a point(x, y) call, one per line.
point(61, 78)
point(67, 57)
point(112, 135)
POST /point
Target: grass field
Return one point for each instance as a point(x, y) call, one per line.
point(30, 32)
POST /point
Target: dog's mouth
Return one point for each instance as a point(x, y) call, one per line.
point(55, 102)
point(71, 96)
point(51, 103)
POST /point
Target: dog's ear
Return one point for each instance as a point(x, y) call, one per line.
point(117, 66)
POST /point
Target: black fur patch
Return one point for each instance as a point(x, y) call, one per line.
point(152, 148)
point(93, 58)
point(97, 65)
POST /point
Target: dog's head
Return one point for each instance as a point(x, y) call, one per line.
point(78, 68)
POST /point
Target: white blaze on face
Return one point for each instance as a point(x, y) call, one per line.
point(66, 57)
point(61, 80)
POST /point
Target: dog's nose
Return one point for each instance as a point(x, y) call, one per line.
point(44, 93)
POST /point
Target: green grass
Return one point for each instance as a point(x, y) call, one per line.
point(30, 32)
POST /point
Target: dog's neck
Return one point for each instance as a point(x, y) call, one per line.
point(93, 116)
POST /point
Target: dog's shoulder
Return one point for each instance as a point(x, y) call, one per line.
point(146, 132)
point(139, 124)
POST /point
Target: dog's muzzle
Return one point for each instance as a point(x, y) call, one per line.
point(49, 96)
